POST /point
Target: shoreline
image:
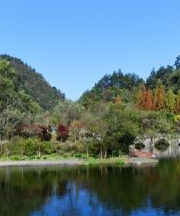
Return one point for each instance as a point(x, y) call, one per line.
point(75, 162)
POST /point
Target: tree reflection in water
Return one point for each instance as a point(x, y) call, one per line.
point(101, 190)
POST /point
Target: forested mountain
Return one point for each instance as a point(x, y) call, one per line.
point(168, 76)
point(104, 122)
point(34, 84)
point(129, 87)
point(110, 86)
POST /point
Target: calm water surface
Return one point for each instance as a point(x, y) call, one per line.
point(91, 191)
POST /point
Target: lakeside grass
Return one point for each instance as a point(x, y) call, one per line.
point(55, 157)
point(112, 160)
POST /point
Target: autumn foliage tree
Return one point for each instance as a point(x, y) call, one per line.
point(141, 96)
point(148, 100)
point(118, 100)
point(62, 132)
point(159, 98)
point(144, 98)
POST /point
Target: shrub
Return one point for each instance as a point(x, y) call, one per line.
point(28, 131)
point(47, 148)
point(41, 131)
point(30, 147)
point(162, 145)
point(5, 148)
point(45, 134)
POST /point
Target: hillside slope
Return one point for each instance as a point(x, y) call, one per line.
point(126, 86)
point(110, 86)
point(34, 84)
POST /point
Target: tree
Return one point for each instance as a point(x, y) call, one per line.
point(10, 118)
point(170, 101)
point(177, 107)
point(118, 100)
point(7, 87)
point(159, 98)
point(62, 132)
point(153, 123)
point(66, 112)
point(148, 100)
point(123, 126)
point(177, 122)
point(177, 62)
point(141, 97)
point(75, 128)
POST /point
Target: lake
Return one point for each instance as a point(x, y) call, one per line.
point(91, 191)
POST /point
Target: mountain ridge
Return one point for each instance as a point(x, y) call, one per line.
point(34, 84)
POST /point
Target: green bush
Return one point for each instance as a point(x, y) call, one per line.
point(47, 148)
point(30, 147)
point(16, 158)
point(5, 149)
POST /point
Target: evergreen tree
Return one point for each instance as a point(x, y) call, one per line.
point(170, 101)
point(177, 62)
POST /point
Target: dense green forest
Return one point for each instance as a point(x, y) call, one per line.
point(36, 119)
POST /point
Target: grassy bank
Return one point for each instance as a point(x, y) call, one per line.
point(112, 160)
point(56, 158)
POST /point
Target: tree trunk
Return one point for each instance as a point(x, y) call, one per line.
point(87, 153)
point(101, 154)
point(39, 152)
point(105, 153)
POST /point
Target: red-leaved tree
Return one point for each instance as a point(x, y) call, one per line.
point(62, 132)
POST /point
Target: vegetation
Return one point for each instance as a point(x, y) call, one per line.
point(103, 123)
point(34, 84)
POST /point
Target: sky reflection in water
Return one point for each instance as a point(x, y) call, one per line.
point(93, 191)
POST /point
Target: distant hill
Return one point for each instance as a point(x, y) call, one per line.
point(125, 86)
point(34, 84)
point(168, 76)
point(110, 86)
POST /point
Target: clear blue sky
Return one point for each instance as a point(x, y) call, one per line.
point(73, 43)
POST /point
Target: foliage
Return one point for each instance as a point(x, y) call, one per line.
point(170, 101)
point(66, 112)
point(123, 127)
point(110, 86)
point(153, 123)
point(141, 97)
point(45, 134)
point(62, 132)
point(103, 123)
point(177, 62)
point(33, 84)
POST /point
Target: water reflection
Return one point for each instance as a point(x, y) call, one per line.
point(91, 190)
